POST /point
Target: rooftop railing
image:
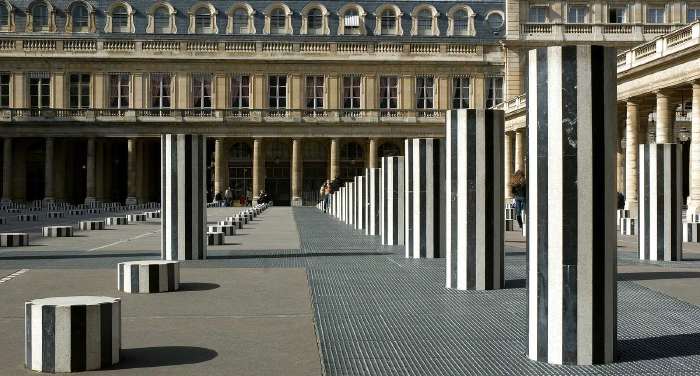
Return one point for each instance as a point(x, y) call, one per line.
point(673, 42)
point(615, 32)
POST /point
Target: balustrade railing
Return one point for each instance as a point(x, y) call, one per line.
point(673, 42)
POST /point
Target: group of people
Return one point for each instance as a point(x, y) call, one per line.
point(328, 188)
point(227, 199)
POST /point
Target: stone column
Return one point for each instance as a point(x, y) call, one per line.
point(631, 155)
point(335, 158)
point(520, 150)
point(90, 172)
point(296, 172)
point(219, 182)
point(131, 171)
point(392, 201)
point(373, 153)
point(619, 161)
point(571, 229)
point(258, 166)
point(48, 171)
point(183, 197)
point(507, 164)
point(7, 170)
point(99, 171)
point(694, 177)
point(664, 119)
point(474, 221)
point(140, 150)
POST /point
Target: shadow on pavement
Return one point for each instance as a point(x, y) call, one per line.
point(670, 346)
point(149, 357)
point(286, 255)
point(650, 276)
point(79, 256)
point(198, 286)
point(515, 283)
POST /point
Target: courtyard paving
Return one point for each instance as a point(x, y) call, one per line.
point(299, 293)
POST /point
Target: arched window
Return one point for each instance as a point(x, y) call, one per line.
point(5, 15)
point(161, 21)
point(120, 20)
point(241, 151)
point(425, 23)
point(202, 21)
point(240, 21)
point(80, 18)
point(388, 20)
point(161, 18)
point(278, 20)
point(461, 21)
point(352, 151)
point(351, 20)
point(40, 17)
point(315, 21)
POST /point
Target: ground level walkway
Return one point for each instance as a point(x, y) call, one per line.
point(299, 293)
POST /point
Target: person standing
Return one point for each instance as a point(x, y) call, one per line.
point(518, 186)
point(228, 196)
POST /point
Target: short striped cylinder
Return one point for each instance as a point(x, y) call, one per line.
point(228, 230)
point(72, 333)
point(57, 231)
point(352, 208)
point(360, 203)
point(660, 202)
point(91, 225)
point(341, 203)
point(54, 215)
point(133, 218)
point(147, 277)
point(372, 188)
point(424, 198)
point(571, 231)
point(622, 213)
point(93, 211)
point(3, 220)
point(76, 212)
point(14, 239)
point(232, 221)
point(27, 218)
point(152, 214)
point(242, 218)
point(391, 200)
point(628, 226)
point(509, 225)
point(215, 238)
point(183, 197)
point(116, 221)
point(474, 206)
point(691, 232)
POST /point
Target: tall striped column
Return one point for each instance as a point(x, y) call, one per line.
point(571, 230)
point(351, 204)
point(183, 197)
point(372, 188)
point(360, 201)
point(391, 201)
point(660, 202)
point(474, 211)
point(424, 203)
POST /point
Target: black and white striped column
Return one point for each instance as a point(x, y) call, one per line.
point(116, 221)
point(424, 198)
point(360, 203)
point(660, 202)
point(57, 231)
point(571, 230)
point(351, 204)
point(474, 208)
point(133, 218)
point(14, 239)
point(91, 225)
point(215, 238)
point(146, 277)
point(183, 197)
point(391, 200)
point(72, 333)
point(372, 188)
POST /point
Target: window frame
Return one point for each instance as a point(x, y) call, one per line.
point(5, 89)
point(577, 8)
point(162, 94)
point(76, 28)
point(459, 97)
point(278, 102)
point(352, 84)
point(240, 92)
point(425, 93)
point(116, 28)
point(42, 80)
point(654, 20)
point(79, 90)
point(117, 78)
point(36, 27)
point(314, 92)
point(387, 85)
point(494, 93)
point(385, 19)
point(201, 90)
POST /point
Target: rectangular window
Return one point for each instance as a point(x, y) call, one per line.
point(240, 91)
point(119, 85)
point(495, 91)
point(655, 15)
point(314, 92)
point(39, 89)
point(4, 90)
point(351, 95)
point(201, 93)
point(616, 15)
point(160, 90)
point(277, 94)
point(425, 86)
point(460, 92)
point(537, 14)
point(79, 90)
point(388, 95)
point(693, 14)
point(577, 14)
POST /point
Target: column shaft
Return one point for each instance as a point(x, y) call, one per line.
point(90, 171)
point(296, 172)
point(664, 119)
point(520, 150)
point(48, 171)
point(620, 162)
point(335, 158)
point(373, 153)
point(258, 177)
point(139, 170)
point(99, 171)
point(7, 170)
point(219, 183)
point(507, 164)
point(131, 171)
point(631, 156)
point(694, 199)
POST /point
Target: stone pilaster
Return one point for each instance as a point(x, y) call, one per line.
point(373, 153)
point(664, 119)
point(631, 157)
point(258, 166)
point(131, 172)
point(140, 149)
point(335, 158)
point(7, 170)
point(296, 172)
point(219, 177)
point(90, 172)
point(99, 171)
point(49, 171)
point(619, 161)
point(694, 195)
point(507, 164)
point(519, 164)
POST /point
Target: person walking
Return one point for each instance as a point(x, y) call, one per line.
point(228, 196)
point(326, 191)
point(518, 185)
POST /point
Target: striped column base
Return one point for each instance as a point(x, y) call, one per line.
point(133, 218)
point(691, 232)
point(628, 226)
point(93, 211)
point(242, 218)
point(72, 333)
point(622, 213)
point(231, 221)
point(510, 213)
point(215, 238)
point(152, 214)
point(27, 217)
point(116, 221)
point(14, 239)
point(54, 215)
point(227, 230)
point(510, 225)
point(76, 212)
point(57, 231)
point(3, 220)
point(92, 225)
point(146, 277)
